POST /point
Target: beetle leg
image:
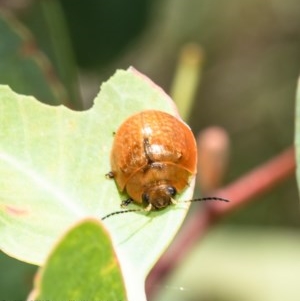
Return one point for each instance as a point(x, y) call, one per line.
point(173, 201)
point(110, 175)
point(125, 203)
point(148, 208)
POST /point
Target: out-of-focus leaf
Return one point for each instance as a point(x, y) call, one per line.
point(15, 274)
point(297, 134)
point(23, 67)
point(46, 21)
point(239, 263)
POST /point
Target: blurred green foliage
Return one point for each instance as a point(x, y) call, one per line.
point(16, 278)
point(101, 30)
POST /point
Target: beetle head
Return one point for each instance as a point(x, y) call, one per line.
point(159, 196)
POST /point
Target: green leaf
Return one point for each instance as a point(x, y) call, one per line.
point(53, 163)
point(82, 266)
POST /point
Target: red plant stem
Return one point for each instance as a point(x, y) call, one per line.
point(242, 191)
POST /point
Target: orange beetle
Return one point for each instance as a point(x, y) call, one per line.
point(153, 157)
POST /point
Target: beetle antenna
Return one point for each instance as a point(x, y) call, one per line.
point(212, 198)
point(209, 198)
point(120, 212)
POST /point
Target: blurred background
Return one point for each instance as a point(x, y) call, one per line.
point(245, 56)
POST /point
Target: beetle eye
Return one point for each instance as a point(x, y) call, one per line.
point(145, 197)
point(172, 191)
